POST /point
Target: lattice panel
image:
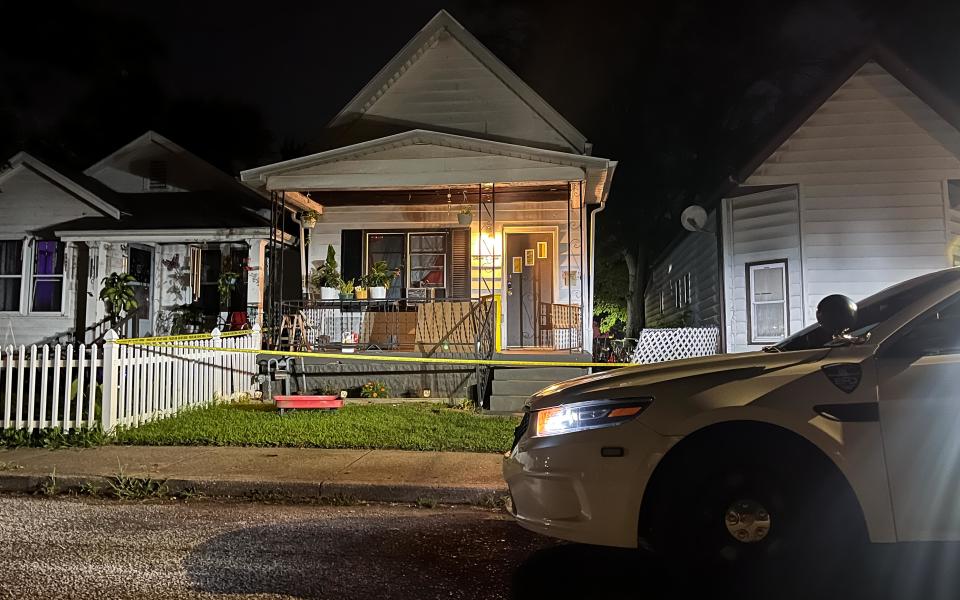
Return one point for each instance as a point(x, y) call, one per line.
point(659, 345)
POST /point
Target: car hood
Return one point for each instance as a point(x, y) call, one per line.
point(629, 382)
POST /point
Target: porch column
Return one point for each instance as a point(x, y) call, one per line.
point(256, 280)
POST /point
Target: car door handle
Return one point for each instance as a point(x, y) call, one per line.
point(851, 412)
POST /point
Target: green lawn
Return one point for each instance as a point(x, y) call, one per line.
point(418, 426)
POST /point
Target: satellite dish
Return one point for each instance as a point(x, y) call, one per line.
point(693, 218)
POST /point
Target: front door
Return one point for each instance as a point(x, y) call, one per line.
point(918, 377)
point(140, 266)
point(529, 265)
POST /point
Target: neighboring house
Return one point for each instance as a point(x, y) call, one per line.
point(446, 127)
point(152, 209)
point(860, 191)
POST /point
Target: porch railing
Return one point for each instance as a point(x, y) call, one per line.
point(560, 326)
point(396, 324)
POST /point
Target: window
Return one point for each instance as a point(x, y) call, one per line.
point(953, 193)
point(767, 294)
point(11, 274)
point(934, 333)
point(157, 176)
point(47, 276)
point(428, 260)
point(389, 247)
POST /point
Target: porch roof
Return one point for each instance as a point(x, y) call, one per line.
point(170, 236)
point(428, 159)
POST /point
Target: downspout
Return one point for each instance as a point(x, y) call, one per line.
point(593, 242)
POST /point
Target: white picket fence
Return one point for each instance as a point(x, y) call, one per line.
point(122, 383)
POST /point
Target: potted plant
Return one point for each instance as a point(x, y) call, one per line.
point(378, 279)
point(326, 278)
point(346, 289)
point(360, 292)
point(118, 295)
point(309, 218)
point(465, 216)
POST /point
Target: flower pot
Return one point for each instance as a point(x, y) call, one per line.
point(378, 292)
point(308, 222)
point(329, 293)
point(346, 296)
point(464, 218)
point(361, 293)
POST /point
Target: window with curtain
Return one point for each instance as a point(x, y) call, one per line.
point(768, 301)
point(47, 276)
point(428, 260)
point(11, 274)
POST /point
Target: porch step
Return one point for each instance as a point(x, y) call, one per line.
point(507, 404)
point(512, 387)
point(517, 388)
point(548, 374)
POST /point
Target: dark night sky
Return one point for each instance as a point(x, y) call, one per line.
point(679, 91)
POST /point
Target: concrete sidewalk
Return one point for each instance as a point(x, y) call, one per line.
point(303, 473)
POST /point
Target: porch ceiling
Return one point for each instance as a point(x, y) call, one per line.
point(427, 160)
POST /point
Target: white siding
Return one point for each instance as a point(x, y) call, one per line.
point(30, 204)
point(447, 87)
point(696, 255)
point(871, 165)
point(760, 227)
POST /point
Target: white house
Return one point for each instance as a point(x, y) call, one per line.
point(152, 209)
point(860, 191)
point(445, 127)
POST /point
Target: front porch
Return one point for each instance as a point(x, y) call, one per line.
point(465, 223)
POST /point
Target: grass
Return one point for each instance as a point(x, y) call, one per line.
point(413, 426)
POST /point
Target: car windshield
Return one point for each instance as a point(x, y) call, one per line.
point(871, 311)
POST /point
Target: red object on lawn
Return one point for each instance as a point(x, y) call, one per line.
point(321, 402)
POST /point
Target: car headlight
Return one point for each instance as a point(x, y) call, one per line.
point(580, 416)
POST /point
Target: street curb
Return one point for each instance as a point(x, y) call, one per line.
point(294, 490)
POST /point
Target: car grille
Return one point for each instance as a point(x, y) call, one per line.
point(521, 429)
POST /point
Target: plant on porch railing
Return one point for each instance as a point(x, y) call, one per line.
point(326, 278)
point(118, 295)
point(378, 279)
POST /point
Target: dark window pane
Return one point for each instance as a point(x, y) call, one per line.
point(140, 264)
point(11, 257)
point(10, 294)
point(388, 247)
point(48, 259)
point(47, 295)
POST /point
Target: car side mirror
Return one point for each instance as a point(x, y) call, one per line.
point(837, 314)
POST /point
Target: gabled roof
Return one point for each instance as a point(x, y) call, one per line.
point(78, 186)
point(598, 171)
point(152, 137)
point(884, 57)
point(442, 23)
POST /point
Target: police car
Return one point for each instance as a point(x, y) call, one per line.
point(848, 430)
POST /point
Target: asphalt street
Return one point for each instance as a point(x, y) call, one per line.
point(72, 548)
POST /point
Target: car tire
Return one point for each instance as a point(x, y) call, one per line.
point(740, 506)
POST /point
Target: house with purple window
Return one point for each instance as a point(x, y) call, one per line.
point(151, 209)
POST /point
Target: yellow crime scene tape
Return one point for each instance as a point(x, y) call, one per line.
point(172, 342)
